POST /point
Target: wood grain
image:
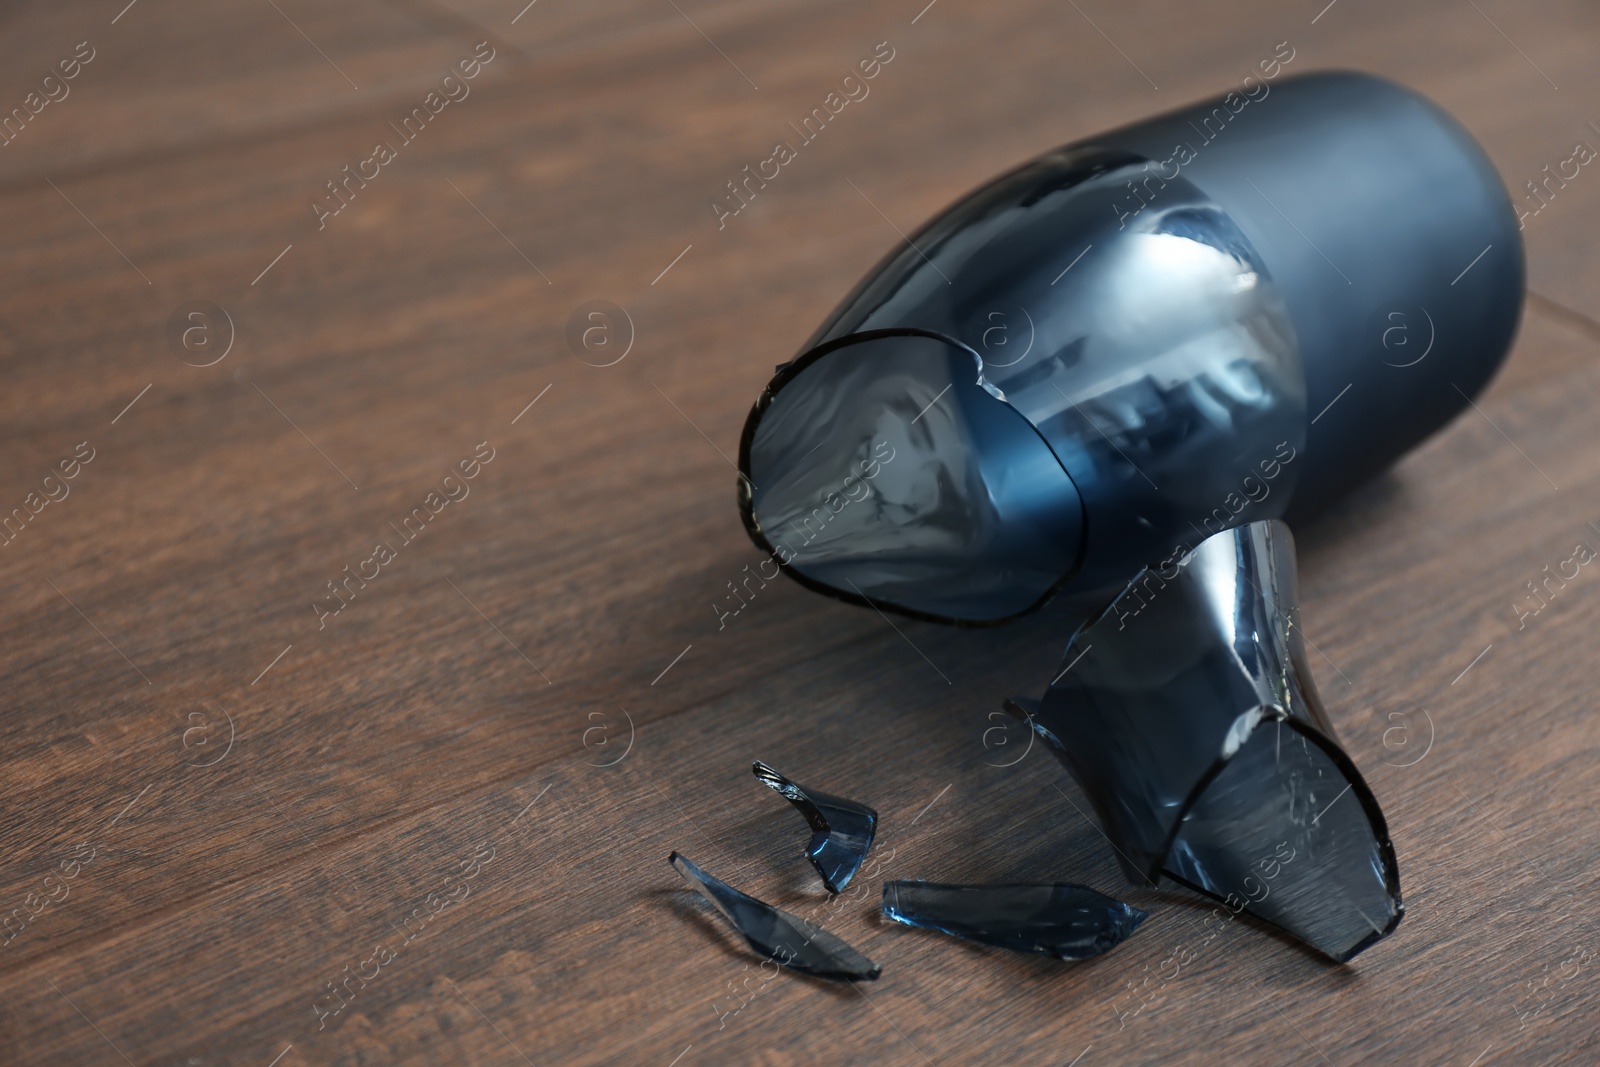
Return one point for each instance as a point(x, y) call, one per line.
point(455, 709)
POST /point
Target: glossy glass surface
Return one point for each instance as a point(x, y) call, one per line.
point(1188, 715)
point(1069, 922)
point(841, 830)
point(1150, 354)
point(888, 471)
point(776, 934)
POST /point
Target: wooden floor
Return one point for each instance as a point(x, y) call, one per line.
point(218, 802)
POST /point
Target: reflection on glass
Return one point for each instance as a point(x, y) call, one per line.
point(1069, 922)
point(775, 934)
point(841, 830)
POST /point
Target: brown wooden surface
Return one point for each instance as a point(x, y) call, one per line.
point(144, 612)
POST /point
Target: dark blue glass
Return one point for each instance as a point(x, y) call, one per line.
point(774, 933)
point(842, 830)
point(1132, 359)
point(1069, 922)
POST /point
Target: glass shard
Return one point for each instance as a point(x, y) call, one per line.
point(774, 933)
point(842, 829)
point(1069, 922)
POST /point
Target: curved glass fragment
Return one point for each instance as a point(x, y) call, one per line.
point(842, 830)
point(1189, 717)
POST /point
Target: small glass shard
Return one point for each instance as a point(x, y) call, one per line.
point(774, 933)
point(842, 830)
point(1069, 922)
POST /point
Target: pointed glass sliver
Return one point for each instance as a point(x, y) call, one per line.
point(1069, 922)
point(774, 933)
point(842, 830)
